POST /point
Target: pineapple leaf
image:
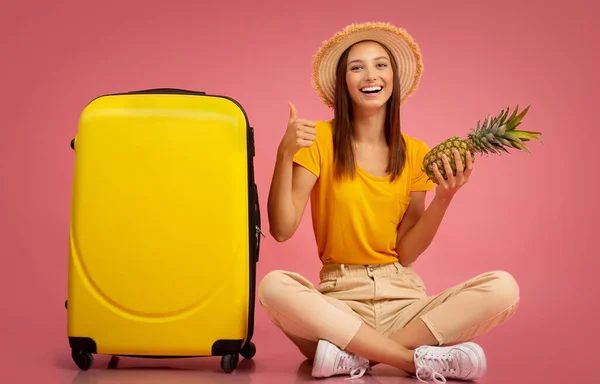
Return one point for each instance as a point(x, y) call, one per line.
point(527, 135)
point(491, 138)
point(514, 112)
point(503, 114)
point(524, 112)
point(515, 119)
point(516, 142)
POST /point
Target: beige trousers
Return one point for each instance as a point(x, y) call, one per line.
point(386, 298)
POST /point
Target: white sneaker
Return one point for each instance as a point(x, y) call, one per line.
point(330, 360)
point(462, 361)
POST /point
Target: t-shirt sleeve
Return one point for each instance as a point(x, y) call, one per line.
point(420, 181)
point(310, 157)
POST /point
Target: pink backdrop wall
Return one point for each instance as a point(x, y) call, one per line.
point(536, 220)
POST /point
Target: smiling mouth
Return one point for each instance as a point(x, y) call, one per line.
point(371, 90)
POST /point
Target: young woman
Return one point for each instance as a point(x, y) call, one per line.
point(367, 192)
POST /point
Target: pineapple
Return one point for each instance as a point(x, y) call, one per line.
point(495, 135)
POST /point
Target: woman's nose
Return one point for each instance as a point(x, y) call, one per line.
point(370, 74)
point(370, 77)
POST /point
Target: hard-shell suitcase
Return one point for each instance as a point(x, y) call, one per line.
point(165, 228)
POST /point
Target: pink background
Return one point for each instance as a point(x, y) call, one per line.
point(536, 221)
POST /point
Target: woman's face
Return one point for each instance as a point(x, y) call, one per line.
point(369, 75)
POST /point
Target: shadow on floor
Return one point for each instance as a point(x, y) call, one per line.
point(380, 374)
point(195, 371)
point(207, 370)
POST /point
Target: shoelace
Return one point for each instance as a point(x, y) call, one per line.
point(357, 373)
point(430, 372)
point(348, 361)
point(430, 366)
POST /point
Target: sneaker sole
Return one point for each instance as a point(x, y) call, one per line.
point(322, 349)
point(482, 366)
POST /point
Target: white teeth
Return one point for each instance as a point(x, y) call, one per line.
point(371, 89)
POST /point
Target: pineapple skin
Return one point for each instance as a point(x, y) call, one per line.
point(447, 147)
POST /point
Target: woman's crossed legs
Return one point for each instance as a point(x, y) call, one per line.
point(362, 314)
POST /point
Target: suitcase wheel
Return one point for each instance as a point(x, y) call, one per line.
point(229, 363)
point(83, 359)
point(248, 351)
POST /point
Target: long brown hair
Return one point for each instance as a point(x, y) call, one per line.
point(343, 127)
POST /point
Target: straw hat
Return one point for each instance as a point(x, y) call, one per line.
point(397, 40)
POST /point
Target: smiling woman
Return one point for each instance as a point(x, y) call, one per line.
point(367, 191)
point(367, 71)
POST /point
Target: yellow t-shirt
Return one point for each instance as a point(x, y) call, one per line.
point(355, 221)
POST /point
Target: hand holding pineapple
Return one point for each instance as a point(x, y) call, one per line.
point(457, 174)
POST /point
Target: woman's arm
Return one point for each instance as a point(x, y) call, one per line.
point(290, 189)
point(291, 184)
point(419, 226)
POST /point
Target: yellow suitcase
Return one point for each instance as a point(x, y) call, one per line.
point(165, 228)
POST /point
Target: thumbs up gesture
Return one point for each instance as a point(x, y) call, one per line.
point(300, 133)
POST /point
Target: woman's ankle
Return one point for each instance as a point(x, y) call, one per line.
point(379, 349)
point(408, 361)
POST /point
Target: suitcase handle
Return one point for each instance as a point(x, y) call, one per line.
point(176, 91)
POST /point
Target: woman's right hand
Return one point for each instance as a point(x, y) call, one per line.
point(299, 134)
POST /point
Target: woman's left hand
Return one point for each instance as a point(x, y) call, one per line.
point(446, 189)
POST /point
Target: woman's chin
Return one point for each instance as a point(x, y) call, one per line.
point(372, 104)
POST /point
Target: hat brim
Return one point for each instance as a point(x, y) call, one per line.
point(406, 53)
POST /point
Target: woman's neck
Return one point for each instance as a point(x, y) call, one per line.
point(369, 126)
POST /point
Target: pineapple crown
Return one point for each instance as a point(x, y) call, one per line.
point(498, 133)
